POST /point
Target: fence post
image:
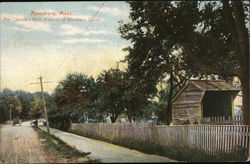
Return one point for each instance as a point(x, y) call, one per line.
point(154, 136)
point(248, 136)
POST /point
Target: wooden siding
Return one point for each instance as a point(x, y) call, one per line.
point(187, 106)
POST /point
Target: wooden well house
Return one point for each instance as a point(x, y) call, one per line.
point(203, 101)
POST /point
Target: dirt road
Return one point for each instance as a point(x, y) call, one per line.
point(19, 144)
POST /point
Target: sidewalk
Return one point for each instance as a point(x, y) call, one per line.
point(104, 151)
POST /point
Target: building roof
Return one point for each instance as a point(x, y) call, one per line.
point(218, 85)
point(208, 85)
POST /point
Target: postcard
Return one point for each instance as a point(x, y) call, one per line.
point(118, 81)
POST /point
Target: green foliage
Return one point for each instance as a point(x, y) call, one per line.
point(36, 108)
point(76, 95)
point(62, 119)
point(81, 99)
point(157, 29)
point(110, 93)
point(136, 99)
point(120, 94)
point(24, 105)
point(161, 104)
point(4, 112)
point(25, 99)
point(9, 100)
point(68, 94)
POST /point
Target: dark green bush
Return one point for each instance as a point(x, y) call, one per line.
point(60, 120)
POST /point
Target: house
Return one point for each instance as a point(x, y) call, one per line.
point(200, 100)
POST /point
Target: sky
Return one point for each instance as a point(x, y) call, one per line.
point(51, 39)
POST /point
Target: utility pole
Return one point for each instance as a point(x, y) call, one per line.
point(0, 69)
point(44, 103)
point(10, 113)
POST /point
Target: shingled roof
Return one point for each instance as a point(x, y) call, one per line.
point(213, 85)
point(208, 85)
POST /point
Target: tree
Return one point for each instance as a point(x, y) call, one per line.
point(4, 110)
point(19, 101)
point(25, 99)
point(69, 93)
point(10, 100)
point(76, 92)
point(210, 38)
point(135, 99)
point(36, 107)
point(111, 88)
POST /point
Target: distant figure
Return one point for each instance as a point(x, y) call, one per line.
point(34, 122)
point(16, 121)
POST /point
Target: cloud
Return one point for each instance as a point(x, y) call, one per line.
point(73, 30)
point(108, 10)
point(27, 23)
point(80, 16)
point(71, 41)
point(20, 29)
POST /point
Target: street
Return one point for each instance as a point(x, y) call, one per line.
point(20, 144)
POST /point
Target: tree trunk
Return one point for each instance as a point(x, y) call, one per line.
point(130, 119)
point(244, 77)
point(243, 48)
point(169, 107)
point(129, 116)
point(113, 118)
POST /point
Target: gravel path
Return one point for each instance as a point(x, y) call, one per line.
point(104, 151)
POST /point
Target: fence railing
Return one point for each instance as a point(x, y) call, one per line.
point(223, 120)
point(210, 138)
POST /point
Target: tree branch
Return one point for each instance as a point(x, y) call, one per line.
point(182, 81)
point(211, 70)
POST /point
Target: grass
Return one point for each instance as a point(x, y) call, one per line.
point(173, 152)
point(56, 147)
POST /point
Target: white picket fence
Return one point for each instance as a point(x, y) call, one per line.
point(210, 138)
point(223, 120)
